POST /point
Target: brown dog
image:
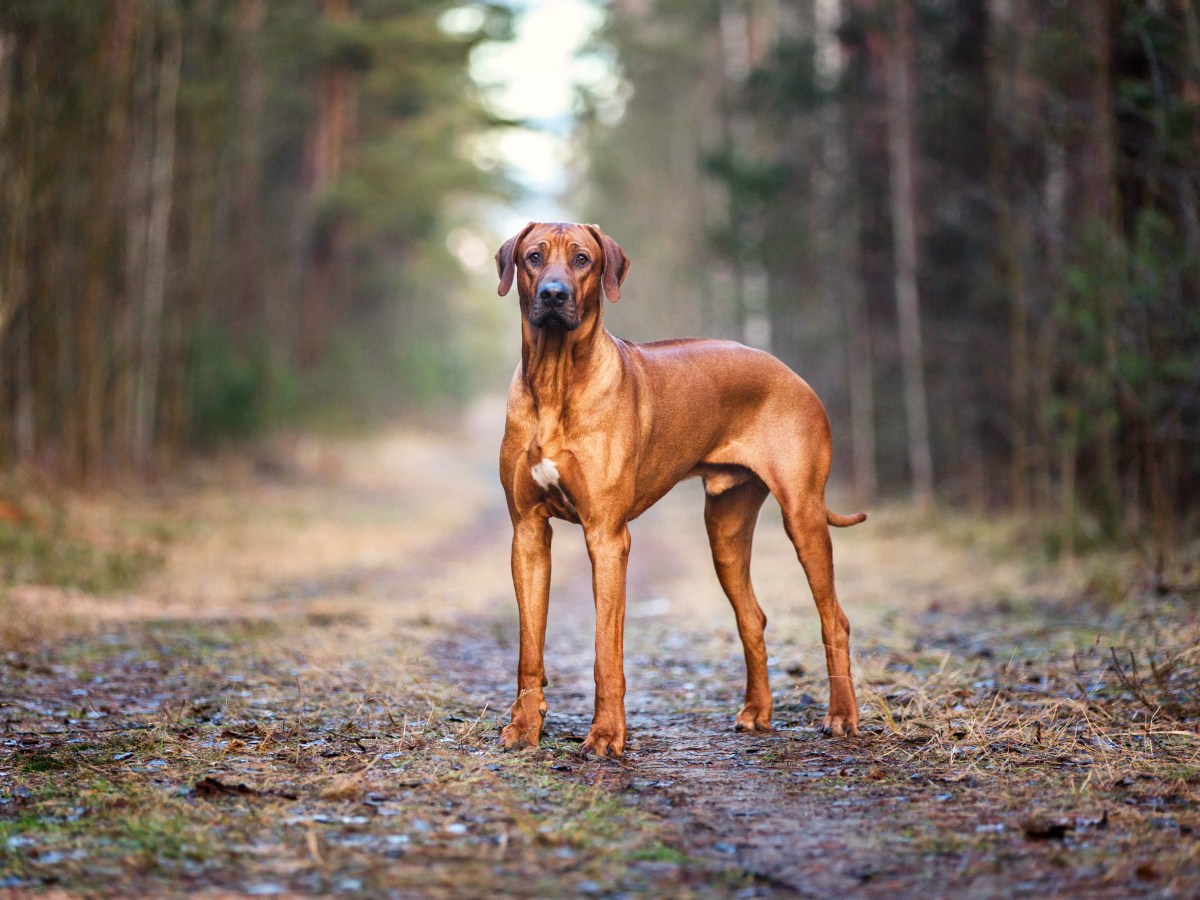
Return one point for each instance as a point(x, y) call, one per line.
point(599, 429)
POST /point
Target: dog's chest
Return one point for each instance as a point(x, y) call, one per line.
point(547, 476)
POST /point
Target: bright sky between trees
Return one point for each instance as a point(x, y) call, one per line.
point(536, 81)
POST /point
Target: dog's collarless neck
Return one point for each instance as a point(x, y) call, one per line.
point(556, 363)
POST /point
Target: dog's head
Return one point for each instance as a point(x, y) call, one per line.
point(562, 272)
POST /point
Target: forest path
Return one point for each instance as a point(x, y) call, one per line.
point(306, 698)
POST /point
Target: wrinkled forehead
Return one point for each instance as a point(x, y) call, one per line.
point(552, 237)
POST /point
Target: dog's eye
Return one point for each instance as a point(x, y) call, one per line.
point(581, 259)
point(535, 258)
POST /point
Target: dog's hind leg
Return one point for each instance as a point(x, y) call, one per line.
point(804, 517)
point(730, 518)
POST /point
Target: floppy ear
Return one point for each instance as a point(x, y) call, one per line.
point(616, 263)
point(505, 266)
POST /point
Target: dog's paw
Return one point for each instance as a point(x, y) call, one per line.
point(841, 726)
point(604, 742)
point(753, 720)
point(516, 736)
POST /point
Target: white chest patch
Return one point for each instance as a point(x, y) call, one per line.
point(545, 473)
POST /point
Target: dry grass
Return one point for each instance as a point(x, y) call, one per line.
point(321, 780)
point(273, 710)
point(261, 716)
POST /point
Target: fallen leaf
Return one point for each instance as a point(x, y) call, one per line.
point(1146, 871)
point(1047, 829)
point(208, 786)
point(344, 787)
point(11, 513)
point(213, 787)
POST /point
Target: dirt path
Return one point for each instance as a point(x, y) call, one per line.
point(796, 812)
point(306, 699)
point(684, 763)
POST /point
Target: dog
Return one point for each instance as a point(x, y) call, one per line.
point(599, 429)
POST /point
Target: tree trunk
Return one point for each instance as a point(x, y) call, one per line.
point(843, 263)
point(325, 289)
point(861, 369)
point(11, 191)
point(1097, 175)
point(126, 339)
point(1069, 449)
point(738, 57)
point(1046, 361)
point(154, 282)
point(250, 262)
point(93, 326)
point(902, 159)
point(14, 200)
point(1007, 25)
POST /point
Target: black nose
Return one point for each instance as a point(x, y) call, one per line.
point(554, 293)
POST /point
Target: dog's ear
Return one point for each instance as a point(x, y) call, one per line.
point(505, 263)
point(616, 263)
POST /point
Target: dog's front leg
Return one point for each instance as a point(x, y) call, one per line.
point(608, 548)
point(531, 578)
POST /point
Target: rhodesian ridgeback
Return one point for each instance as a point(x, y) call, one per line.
point(599, 429)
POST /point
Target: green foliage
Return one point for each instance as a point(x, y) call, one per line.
point(228, 392)
point(752, 180)
point(309, 154)
point(344, 44)
point(37, 762)
point(1058, 244)
point(29, 555)
point(1128, 348)
point(1060, 56)
point(788, 81)
point(414, 104)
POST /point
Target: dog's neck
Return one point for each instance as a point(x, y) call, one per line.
point(555, 363)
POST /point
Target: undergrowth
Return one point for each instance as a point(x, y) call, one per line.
point(30, 555)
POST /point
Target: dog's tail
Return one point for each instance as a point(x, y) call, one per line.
point(843, 521)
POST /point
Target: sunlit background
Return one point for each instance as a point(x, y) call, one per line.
point(971, 226)
point(539, 81)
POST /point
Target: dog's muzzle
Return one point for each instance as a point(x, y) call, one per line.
point(554, 301)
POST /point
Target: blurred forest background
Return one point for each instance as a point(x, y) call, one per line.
point(219, 215)
point(971, 224)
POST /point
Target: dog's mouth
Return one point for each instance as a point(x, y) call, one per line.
point(541, 316)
